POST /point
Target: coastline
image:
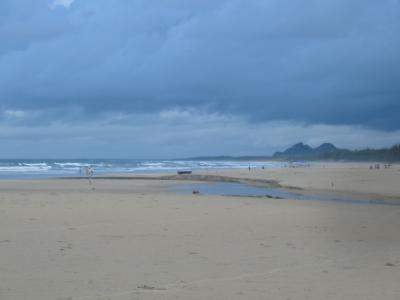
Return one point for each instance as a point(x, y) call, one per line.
point(135, 239)
point(324, 178)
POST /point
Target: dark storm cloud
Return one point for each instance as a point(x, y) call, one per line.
point(332, 62)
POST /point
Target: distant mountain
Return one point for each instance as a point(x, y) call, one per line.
point(326, 148)
point(324, 152)
point(298, 149)
point(301, 150)
point(328, 151)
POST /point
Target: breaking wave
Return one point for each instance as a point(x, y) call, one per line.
point(59, 168)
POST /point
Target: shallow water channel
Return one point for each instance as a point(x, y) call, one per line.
point(246, 190)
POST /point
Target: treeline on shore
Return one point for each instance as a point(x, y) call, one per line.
point(325, 152)
point(387, 155)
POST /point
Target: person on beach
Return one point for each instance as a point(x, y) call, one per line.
point(89, 173)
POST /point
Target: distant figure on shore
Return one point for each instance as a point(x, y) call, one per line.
point(89, 172)
point(249, 168)
point(262, 167)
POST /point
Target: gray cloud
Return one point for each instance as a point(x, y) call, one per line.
point(329, 62)
point(171, 134)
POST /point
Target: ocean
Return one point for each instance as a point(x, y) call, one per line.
point(52, 168)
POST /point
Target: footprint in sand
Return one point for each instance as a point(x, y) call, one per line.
point(65, 246)
point(111, 236)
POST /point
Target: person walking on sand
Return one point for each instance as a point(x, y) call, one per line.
point(89, 173)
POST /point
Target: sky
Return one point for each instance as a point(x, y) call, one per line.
point(181, 78)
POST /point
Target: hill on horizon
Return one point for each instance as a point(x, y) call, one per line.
point(328, 151)
point(303, 150)
point(325, 151)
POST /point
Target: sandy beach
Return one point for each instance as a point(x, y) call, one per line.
point(136, 239)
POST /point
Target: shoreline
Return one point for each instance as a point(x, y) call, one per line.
point(135, 239)
point(342, 179)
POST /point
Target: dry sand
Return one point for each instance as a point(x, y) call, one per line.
point(133, 239)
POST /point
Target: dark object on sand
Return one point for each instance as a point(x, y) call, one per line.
point(273, 197)
point(388, 264)
point(151, 288)
point(184, 172)
point(196, 192)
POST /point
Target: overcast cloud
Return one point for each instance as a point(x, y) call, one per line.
point(175, 78)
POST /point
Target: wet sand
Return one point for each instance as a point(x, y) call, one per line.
point(339, 178)
point(134, 239)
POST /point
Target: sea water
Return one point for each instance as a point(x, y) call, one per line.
point(48, 168)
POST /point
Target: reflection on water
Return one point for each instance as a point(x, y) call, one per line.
point(241, 189)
